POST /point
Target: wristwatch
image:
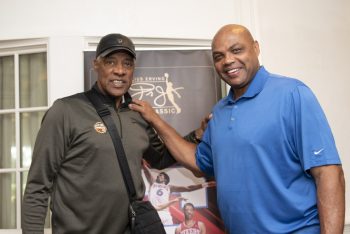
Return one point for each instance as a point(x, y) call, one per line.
point(195, 138)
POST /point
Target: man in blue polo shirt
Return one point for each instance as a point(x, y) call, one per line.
point(268, 145)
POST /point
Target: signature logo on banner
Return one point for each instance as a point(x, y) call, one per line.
point(160, 90)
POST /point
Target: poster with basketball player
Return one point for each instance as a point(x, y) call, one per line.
point(182, 87)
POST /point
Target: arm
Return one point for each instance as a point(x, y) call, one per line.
point(204, 123)
point(311, 123)
point(196, 135)
point(47, 154)
point(192, 187)
point(147, 172)
point(330, 185)
point(178, 229)
point(182, 150)
point(169, 203)
point(202, 227)
point(157, 155)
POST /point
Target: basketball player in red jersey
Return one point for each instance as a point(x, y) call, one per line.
point(189, 225)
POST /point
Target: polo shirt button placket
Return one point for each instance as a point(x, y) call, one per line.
point(232, 118)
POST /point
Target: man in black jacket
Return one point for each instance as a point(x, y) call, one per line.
point(74, 161)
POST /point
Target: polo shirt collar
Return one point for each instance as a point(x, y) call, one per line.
point(255, 86)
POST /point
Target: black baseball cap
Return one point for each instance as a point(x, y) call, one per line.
point(115, 42)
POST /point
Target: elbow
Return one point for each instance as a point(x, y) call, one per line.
point(195, 171)
point(198, 174)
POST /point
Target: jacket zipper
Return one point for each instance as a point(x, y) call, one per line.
point(120, 124)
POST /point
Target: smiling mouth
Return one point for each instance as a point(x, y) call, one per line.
point(118, 83)
point(232, 71)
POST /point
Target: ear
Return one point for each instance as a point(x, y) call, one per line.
point(257, 48)
point(95, 64)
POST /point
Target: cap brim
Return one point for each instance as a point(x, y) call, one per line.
point(117, 48)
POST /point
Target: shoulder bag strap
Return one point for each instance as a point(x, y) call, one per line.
point(105, 115)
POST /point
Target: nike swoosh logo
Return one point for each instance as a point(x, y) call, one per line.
point(318, 152)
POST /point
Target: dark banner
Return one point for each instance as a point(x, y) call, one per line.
point(182, 87)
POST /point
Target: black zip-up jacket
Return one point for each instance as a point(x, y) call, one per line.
point(74, 163)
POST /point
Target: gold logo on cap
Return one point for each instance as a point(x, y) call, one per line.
point(100, 127)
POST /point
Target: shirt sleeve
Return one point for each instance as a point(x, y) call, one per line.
point(315, 144)
point(48, 152)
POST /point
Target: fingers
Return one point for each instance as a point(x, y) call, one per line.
point(206, 120)
point(138, 105)
point(209, 184)
point(137, 102)
point(208, 117)
point(145, 109)
point(204, 123)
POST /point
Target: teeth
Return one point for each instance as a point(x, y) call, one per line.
point(233, 70)
point(117, 82)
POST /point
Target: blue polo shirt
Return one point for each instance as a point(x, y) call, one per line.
point(260, 148)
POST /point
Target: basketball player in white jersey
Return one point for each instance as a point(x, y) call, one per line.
point(160, 191)
point(189, 225)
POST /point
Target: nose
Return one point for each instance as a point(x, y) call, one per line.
point(119, 69)
point(229, 59)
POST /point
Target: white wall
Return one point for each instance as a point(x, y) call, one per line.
point(304, 39)
point(154, 18)
point(310, 40)
point(67, 22)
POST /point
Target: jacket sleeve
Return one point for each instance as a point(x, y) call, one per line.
point(48, 152)
point(157, 154)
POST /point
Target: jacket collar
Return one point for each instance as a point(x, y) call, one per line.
point(110, 100)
